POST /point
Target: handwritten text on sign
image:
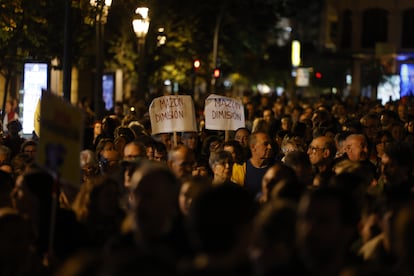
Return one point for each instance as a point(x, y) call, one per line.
point(223, 113)
point(170, 108)
point(172, 114)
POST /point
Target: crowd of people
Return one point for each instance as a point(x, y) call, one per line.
point(319, 187)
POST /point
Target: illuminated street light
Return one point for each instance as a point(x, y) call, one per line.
point(196, 64)
point(101, 13)
point(216, 73)
point(143, 11)
point(141, 23)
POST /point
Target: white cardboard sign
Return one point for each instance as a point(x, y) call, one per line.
point(223, 113)
point(61, 135)
point(173, 113)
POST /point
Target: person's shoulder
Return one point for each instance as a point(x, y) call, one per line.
point(237, 166)
point(368, 249)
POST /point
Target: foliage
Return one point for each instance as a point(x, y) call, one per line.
point(244, 27)
point(120, 41)
point(35, 29)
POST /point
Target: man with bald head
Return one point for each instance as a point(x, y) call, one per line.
point(181, 161)
point(356, 147)
point(134, 150)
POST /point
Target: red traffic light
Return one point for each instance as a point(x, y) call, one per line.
point(216, 73)
point(318, 75)
point(197, 64)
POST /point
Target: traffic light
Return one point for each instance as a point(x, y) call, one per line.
point(318, 75)
point(216, 73)
point(196, 64)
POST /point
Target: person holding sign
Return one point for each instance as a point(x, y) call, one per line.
point(190, 140)
point(164, 138)
point(181, 161)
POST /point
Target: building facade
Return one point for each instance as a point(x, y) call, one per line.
point(378, 35)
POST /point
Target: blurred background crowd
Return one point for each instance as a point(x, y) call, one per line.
point(306, 188)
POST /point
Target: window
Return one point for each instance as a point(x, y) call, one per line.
point(374, 27)
point(346, 39)
point(407, 37)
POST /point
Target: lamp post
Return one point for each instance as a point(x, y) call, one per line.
point(101, 14)
point(214, 62)
point(67, 53)
point(141, 23)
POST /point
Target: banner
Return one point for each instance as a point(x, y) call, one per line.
point(61, 125)
point(172, 114)
point(223, 113)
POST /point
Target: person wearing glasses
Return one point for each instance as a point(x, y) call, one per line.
point(322, 152)
point(221, 163)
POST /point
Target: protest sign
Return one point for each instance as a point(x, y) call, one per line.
point(223, 113)
point(172, 114)
point(61, 125)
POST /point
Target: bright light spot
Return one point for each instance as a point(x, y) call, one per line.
point(176, 87)
point(280, 90)
point(140, 27)
point(197, 63)
point(167, 82)
point(296, 53)
point(94, 3)
point(143, 11)
point(348, 79)
point(216, 73)
point(404, 73)
point(264, 89)
point(227, 83)
point(402, 57)
point(334, 90)
point(161, 40)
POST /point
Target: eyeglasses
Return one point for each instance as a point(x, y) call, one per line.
point(315, 149)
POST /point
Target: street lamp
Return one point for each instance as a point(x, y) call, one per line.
point(141, 23)
point(101, 14)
